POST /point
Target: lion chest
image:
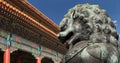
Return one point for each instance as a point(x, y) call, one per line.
point(93, 53)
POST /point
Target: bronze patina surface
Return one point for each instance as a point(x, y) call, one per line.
point(90, 35)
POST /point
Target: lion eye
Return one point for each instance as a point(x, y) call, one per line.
point(64, 27)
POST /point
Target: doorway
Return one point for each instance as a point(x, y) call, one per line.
point(20, 56)
point(47, 60)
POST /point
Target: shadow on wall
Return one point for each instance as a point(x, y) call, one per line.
point(1, 56)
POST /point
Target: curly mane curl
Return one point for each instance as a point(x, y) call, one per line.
point(96, 25)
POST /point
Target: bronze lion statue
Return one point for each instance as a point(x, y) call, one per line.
point(90, 36)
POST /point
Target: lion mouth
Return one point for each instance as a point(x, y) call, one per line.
point(64, 39)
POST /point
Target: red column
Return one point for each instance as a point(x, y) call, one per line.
point(57, 62)
point(38, 59)
point(7, 55)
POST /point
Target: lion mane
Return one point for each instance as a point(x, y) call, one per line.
point(90, 35)
point(96, 25)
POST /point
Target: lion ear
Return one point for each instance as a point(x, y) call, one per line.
point(72, 15)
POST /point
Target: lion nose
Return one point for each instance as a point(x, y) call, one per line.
point(58, 35)
point(61, 34)
point(64, 28)
point(60, 38)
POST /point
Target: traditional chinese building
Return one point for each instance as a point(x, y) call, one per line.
point(27, 35)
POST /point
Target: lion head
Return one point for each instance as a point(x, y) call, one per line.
point(87, 22)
